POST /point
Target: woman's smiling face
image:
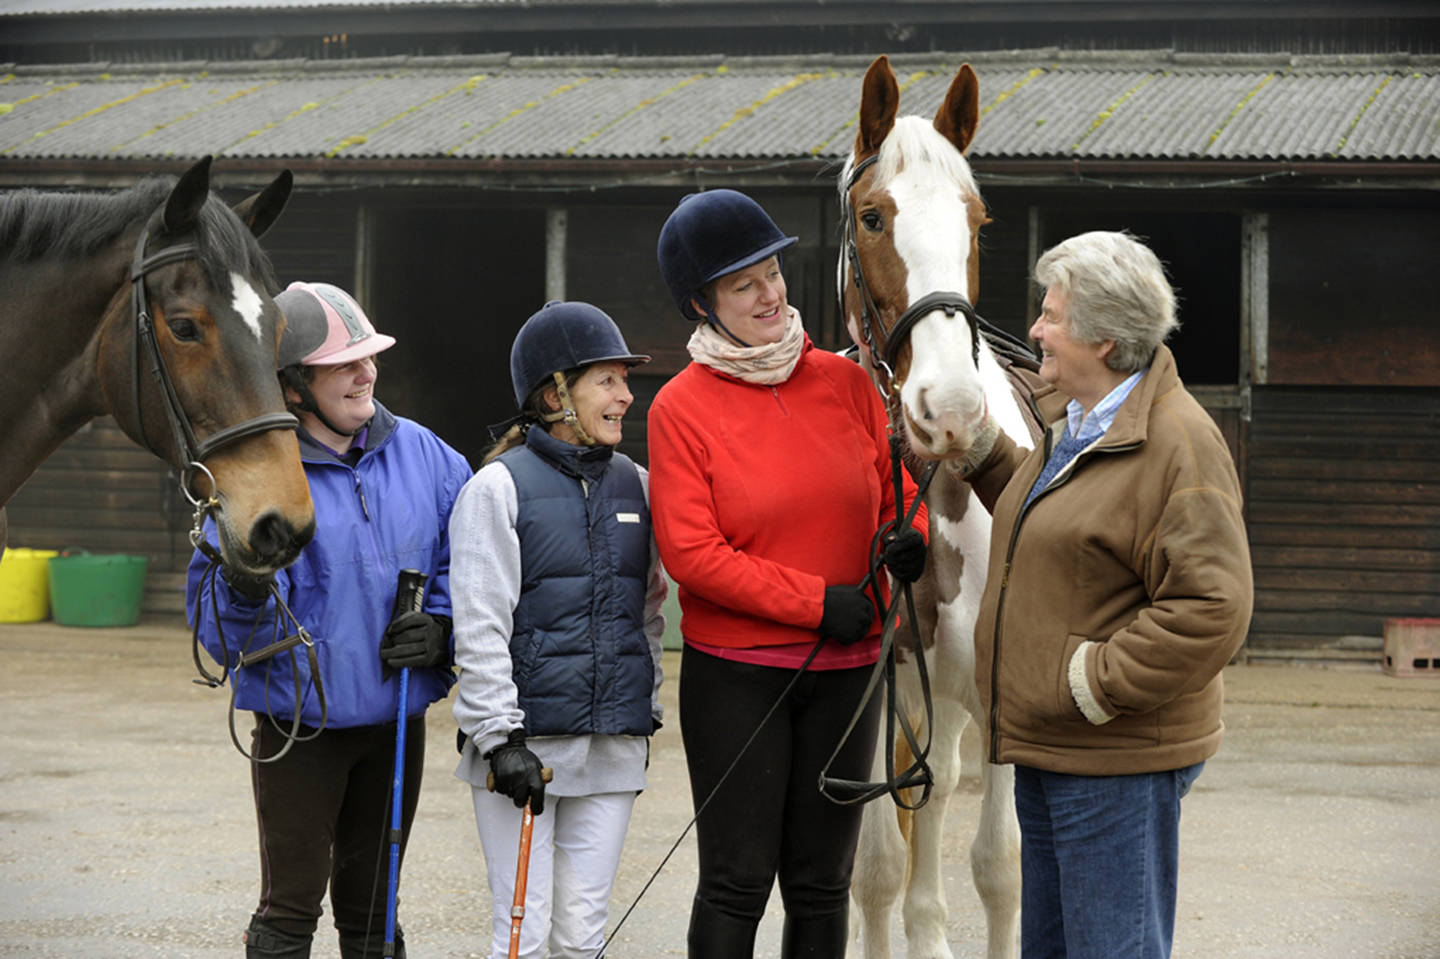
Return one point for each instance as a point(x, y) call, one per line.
point(345, 393)
point(601, 396)
point(751, 304)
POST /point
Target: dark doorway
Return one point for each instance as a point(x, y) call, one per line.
point(1201, 253)
point(453, 286)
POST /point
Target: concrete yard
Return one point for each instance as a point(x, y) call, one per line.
point(126, 825)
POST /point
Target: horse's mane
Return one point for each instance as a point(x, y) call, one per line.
point(71, 225)
point(74, 225)
point(914, 140)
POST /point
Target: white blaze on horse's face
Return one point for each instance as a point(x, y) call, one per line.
point(246, 302)
point(943, 397)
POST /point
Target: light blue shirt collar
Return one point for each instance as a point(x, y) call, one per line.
point(1092, 427)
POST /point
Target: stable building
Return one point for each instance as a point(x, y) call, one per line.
point(1294, 198)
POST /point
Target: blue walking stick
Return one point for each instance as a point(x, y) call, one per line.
point(409, 594)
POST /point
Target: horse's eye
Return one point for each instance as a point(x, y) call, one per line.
point(184, 330)
point(873, 221)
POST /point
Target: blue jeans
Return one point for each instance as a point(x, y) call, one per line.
point(1099, 856)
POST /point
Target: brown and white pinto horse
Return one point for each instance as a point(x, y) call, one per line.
point(89, 283)
point(913, 212)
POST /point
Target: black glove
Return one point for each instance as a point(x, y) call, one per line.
point(847, 614)
point(416, 639)
point(517, 773)
point(904, 555)
point(254, 588)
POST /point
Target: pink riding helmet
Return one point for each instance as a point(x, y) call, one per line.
point(324, 326)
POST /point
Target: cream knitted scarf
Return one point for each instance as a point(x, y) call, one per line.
point(764, 365)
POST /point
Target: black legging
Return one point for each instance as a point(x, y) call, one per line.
point(769, 817)
point(324, 818)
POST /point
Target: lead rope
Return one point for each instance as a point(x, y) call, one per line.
point(848, 792)
point(871, 581)
point(724, 776)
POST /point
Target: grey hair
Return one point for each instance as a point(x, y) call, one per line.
point(1116, 289)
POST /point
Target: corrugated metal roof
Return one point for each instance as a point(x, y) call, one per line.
point(59, 7)
point(1039, 104)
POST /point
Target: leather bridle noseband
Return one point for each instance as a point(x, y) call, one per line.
point(885, 347)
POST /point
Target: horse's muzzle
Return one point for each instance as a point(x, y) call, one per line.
point(274, 542)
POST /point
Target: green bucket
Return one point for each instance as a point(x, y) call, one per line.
point(100, 590)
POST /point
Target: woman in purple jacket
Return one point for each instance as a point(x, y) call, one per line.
point(383, 488)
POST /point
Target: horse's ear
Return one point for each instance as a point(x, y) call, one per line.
point(182, 209)
point(959, 115)
point(879, 102)
point(260, 211)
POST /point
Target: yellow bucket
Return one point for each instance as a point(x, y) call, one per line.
point(25, 585)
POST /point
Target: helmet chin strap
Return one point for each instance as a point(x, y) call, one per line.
point(714, 320)
point(296, 382)
point(725, 331)
point(567, 413)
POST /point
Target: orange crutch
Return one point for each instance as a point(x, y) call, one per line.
point(522, 864)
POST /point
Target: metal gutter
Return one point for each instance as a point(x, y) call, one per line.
point(566, 175)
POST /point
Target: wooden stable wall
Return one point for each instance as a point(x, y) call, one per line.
point(1343, 507)
point(102, 493)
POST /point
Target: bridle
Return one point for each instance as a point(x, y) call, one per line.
point(885, 345)
point(192, 453)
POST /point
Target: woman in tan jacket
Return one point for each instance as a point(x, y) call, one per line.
point(1119, 587)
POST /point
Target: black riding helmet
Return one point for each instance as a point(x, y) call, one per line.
point(324, 326)
point(562, 336)
point(709, 235)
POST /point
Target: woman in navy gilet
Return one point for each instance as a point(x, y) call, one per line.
point(557, 589)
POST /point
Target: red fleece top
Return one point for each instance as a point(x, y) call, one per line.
point(762, 496)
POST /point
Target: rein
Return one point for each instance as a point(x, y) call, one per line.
point(849, 792)
point(192, 453)
point(244, 657)
point(885, 346)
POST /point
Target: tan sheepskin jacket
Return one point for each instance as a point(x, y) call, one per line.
point(1114, 601)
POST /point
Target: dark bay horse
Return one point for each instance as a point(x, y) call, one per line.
point(153, 305)
point(909, 274)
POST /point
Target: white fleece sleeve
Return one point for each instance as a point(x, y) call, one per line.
point(1080, 687)
point(484, 591)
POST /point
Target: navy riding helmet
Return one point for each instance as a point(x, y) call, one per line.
point(709, 235)
point(560, 336)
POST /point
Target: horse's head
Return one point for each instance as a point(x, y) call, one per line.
point(910, 272)
point(202, 280)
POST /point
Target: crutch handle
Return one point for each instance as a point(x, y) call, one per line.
point(546, 773)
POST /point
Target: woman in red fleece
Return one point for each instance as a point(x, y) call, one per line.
point(769, 475)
